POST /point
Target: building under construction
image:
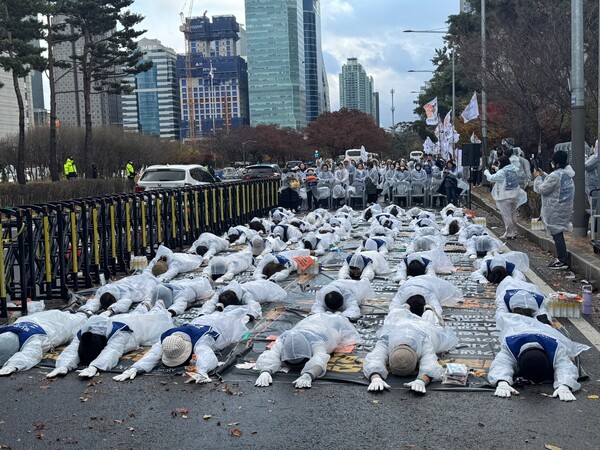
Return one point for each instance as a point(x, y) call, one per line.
point(213, 77)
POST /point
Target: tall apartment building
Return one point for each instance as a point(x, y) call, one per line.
point(465, 6)
point(154, 106)
point(276, 74)
point(9, 108)
point(317, 92)
point(213, 78)
point(105, 108)
point(356, 89)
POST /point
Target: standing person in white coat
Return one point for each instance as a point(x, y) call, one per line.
point(167, 264)
point(508, 194)
point(117, 297)
point(23, 343)
point(592, 177)
point(249, 296)
point(309, 345)
point(202, 337)
point(364, 265)
point(208, 245)
point(344, 296)
point(277, 267)
point(178, 295)
point(223, 268)
point(408, 343)
point(557, 190)
point(102, 341)
point(536, 352)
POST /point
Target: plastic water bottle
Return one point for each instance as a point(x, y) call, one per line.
point(586, 306)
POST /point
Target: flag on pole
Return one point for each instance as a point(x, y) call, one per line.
point(363, 154)
point(475, 139)
point(472, 110)
point(428, 146)
point(447, 124)
point(431, 112)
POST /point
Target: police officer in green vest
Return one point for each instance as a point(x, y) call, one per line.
point(130, 170)
point(70, 168)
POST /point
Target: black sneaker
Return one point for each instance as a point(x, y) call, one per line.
point(557, 265)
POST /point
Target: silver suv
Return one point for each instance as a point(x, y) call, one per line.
point(173, 176)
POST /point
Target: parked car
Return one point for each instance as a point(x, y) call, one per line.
point(173, 176)
point(292, 164)
point(230, 173)
point(262, 171)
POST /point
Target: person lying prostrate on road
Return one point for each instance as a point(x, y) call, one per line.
point(394, 210)
point(420, 223)
point(339, 228)
point(344, 296)
point(318, 244)
point(430, 262)
point(302, 225)
point(167, 264)
point(261, 246)
point(435, 291)
point(23, 343)
point(239, 235)
point(381, 244)
point(536, 352)
point(448, 210)
point(453, 225)
point(102, 341)
point(287, 233)
point(202, 337)
point(118, 296)
point(493, 269)
point(376, 230)
point(426, 215)
point(469, 231)
point(277, 267)
point(425, 231)
point(426, 243)
point(364, 265)
point(520, 297)
point(308, 345)
point(408, 344)
point(278, 213)
point(481, 246)
point(369, 212)
point(260, 225)
point(248, 296)
point(223, 268)
point(208, 245)
point(179, 295)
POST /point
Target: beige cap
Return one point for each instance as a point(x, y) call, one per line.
point(403, 360)
point(177, 348)
point(160, 267)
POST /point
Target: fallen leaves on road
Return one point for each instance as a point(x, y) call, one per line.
point(206, 416)
point(233, 424)
point(119, 421)
point(552, 447)
point(593, 397)
point(83, 399)
point(235, 432)
point(182, 410)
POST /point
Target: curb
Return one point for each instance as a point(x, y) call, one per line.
point(589, 270)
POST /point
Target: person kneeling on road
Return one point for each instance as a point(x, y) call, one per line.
point(343, 296)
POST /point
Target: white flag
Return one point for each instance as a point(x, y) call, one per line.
point(363, 154)
point(431, 112)
point(447, 120)
point(428, 147)
point(472, 110)
point(475, 139)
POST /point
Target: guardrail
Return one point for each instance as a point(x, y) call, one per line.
point(52, 248)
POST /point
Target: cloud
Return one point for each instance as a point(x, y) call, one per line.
point(333, 9)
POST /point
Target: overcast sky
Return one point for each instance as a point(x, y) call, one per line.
point(370, 30)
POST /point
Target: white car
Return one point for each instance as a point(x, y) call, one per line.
point(173, 176)
point(230, 173)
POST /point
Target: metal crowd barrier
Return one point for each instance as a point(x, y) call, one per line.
point(52, 248)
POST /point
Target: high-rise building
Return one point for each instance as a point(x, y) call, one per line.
point(154, 106)
point(356, 89)
point(276, 74)
point(9, 111)
point(465, 6)
point(213, 78)
point(70, 110)
point(317, 95)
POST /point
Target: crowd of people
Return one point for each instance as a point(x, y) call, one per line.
point(139, 310)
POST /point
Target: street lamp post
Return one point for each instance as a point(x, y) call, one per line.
point(393, 109)
point(244, 149)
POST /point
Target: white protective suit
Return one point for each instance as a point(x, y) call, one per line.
point(423, 334)
point(417, 223)
point(286, 258)
point(228, 266)
point(266, 223)
point(319, 335)
point(287, 233)
point(557, 190)
point(521, 332)
point(37, 334)
point(523, 167)
point(426, 243)
point(210, 333)
point(267, 244)
point(252, 294)
point(435, 261)
point(183, 293)
point(436, 291)
point(320, 243)
point(448, 210)
point(127, 291)
point(483, 243)
point(177, 263)
point(425, 231)
point(214, 243)
point(374, 209)
point(514, 263)
point(508, 195)
point(461, 222)
point(469, 231)
point(391, 206)
point(125, 333)
point(512, 293)
point(354, 293)
point(372, 263)
point(592, 175)
point(244, 234)
point(381, 244)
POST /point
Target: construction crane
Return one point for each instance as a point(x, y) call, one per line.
point(189, 102)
